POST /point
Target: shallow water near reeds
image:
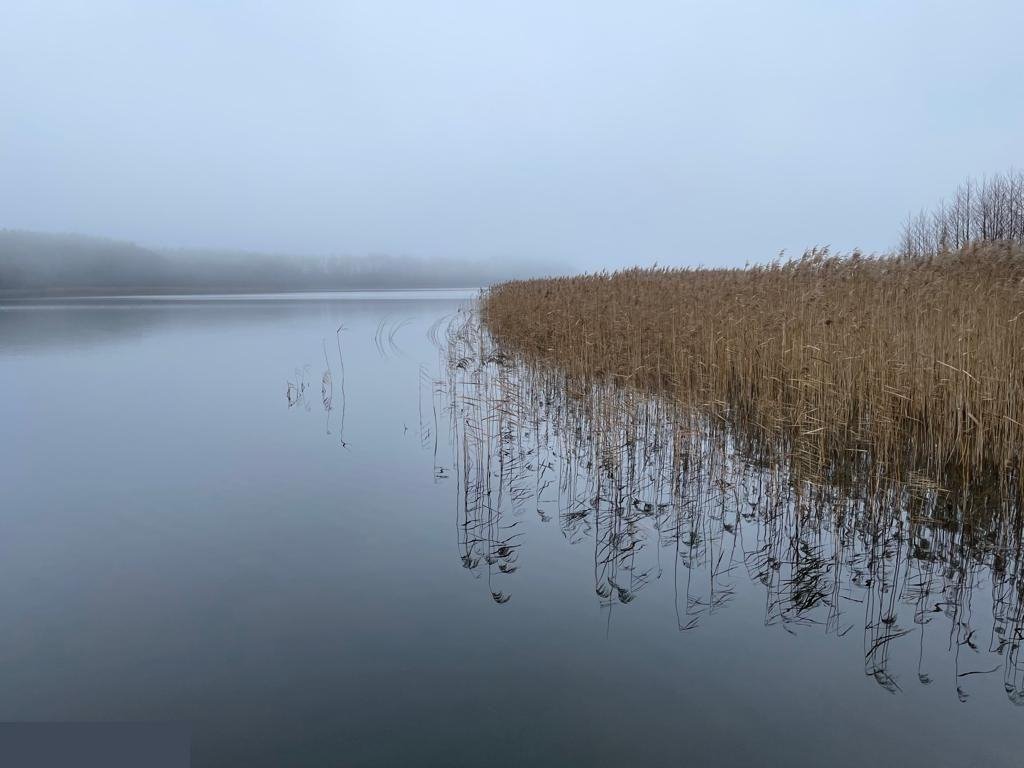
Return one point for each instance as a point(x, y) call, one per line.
point(391, 546)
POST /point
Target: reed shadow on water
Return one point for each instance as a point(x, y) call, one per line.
point(929, 579)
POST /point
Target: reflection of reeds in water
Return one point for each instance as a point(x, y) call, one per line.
point(661, 490)
point(296, 392)
point(384, 338)
point(327, 389)
point(488, 482)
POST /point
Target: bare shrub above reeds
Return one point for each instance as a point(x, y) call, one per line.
point(895, 367)
point(986, 211)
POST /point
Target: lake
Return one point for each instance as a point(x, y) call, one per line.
point(388, 545)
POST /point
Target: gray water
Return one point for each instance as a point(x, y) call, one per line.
point(197, 528)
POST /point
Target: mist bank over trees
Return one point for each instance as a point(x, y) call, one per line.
point(987, 211)
point(35, 263)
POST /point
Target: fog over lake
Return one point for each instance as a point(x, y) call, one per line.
point(584, 133)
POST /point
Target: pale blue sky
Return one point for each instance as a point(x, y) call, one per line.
point(595, 133)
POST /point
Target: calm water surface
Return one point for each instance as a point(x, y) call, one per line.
point(377, 568)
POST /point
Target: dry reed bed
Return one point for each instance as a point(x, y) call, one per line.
point(895, 368)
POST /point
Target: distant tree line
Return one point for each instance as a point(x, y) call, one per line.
point(986, 211)
point(38, 263)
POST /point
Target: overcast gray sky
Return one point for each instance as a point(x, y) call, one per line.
point(597, 133)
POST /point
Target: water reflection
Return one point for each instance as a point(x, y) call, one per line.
point(299, 389)
point(931, 582)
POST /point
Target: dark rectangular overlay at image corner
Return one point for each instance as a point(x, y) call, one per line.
point(95, 745)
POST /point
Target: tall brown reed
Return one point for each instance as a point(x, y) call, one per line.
point(905, 368)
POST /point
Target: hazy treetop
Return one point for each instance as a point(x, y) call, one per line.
point(600, 133)
point(33, 263)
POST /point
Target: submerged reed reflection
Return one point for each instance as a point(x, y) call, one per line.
point(930, 580)
point(661, 492)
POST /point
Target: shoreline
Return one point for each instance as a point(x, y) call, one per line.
point(16, 297)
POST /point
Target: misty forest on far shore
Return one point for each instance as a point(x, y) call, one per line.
point(34, 263)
